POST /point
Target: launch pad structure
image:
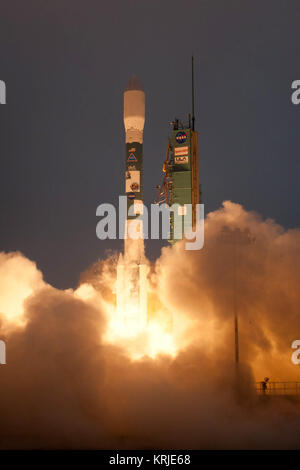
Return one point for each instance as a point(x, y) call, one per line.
point(180, 183)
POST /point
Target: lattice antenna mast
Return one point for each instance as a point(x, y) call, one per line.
point(193, 96)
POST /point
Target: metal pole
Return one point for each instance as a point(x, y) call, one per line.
point(235, 308)
point(237, 239)
point(193, 96)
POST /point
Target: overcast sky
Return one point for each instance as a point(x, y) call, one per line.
point(66, 63)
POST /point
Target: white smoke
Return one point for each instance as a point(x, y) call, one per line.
point(66, 386)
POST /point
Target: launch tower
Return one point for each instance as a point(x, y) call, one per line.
point(181, 175)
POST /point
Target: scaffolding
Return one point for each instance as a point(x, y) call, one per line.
point(278, 388)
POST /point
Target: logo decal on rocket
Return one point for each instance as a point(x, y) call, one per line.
point(132, 158)
point(132, 181)
point(134, 186)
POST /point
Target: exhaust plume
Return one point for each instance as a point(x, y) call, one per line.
point(70, 383)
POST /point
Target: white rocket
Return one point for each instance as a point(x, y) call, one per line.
point(132, 270)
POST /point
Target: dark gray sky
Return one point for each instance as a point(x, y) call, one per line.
point(66, 63)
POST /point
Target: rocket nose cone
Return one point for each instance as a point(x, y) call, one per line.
point(134, 84)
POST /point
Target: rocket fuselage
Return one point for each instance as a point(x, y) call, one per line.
point(133, 177)
point(134, 120)
point(132, 270)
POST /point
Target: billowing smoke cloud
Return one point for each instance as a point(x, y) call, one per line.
point(267, 297)
point(65, 386)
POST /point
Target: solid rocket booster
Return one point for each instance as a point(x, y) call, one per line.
point(132, 270)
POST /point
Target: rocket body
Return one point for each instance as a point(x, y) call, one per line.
point(134, 120)
point(132, 270)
